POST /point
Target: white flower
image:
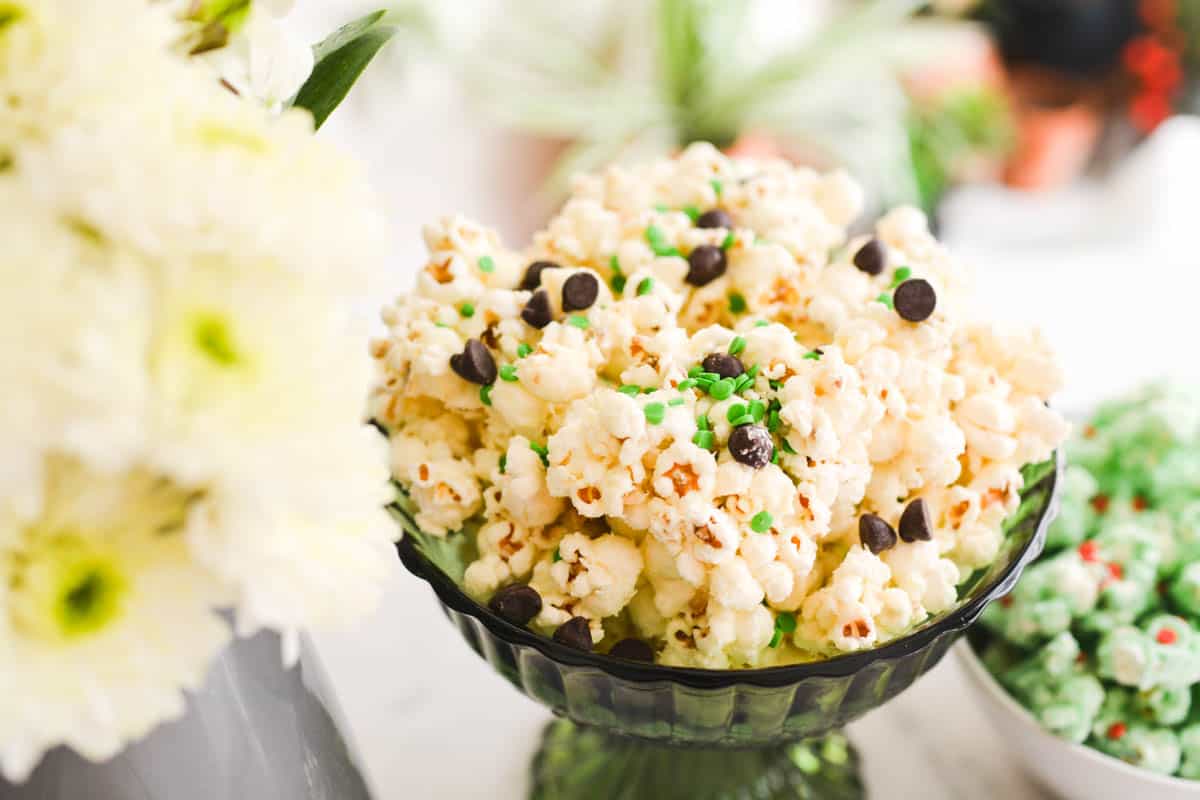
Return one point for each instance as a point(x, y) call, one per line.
point(265, 58)
point(183, 384)
point(106, 617)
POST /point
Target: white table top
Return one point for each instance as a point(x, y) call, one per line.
point(432, 721)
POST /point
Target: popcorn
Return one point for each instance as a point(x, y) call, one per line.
point(698, 416)
point(1122, 575)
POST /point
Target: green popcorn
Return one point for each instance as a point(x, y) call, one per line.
point(1048, 598)
point(1189, 743)
point(1185, 518)
point(1076, 515)
point(1057, 660)
point(1185, 590)
point(1126, 593)
point(1154, 749)
point(1066, 707)
point(1165, 652)
point(1163, 705)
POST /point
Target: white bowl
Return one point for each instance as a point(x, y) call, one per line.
point(1070, 770)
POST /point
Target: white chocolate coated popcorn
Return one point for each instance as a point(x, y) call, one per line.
point(599, 466)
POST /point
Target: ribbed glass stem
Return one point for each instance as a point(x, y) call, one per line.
point(578, 763)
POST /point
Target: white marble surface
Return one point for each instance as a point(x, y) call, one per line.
point(1110, 272)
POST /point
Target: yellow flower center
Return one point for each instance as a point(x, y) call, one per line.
point(212, 336)
point(10, 13)
point(63, 590)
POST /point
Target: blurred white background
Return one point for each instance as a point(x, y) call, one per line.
point(1110, 270)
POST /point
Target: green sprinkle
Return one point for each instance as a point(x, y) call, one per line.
point(617, 282)
point(737, 303)
point(787, 448)
point(737, 345)
point(630, 389)
point(721, 389)
point(710, 376)
point(786, 622)
point(758, 410)
point(762, 323)
point(775, 385)
point(487, 264)
point(542, 452)
point(503, 463)
point(776, 638)
point(774, 405)
point(523, 350)
point(649, 390)
point(761, 522)
point(485, 394)
point(695, 371)
point(705, 383)
point(508, 372)
point(658, 242)
point(685, 384)
point(745, 419)
point(774, 455)
point(654, 413)
point(773, 421)
point(556, 557)
point(661, 208)
point(467, 310)
point(614, 264)
point(677, 401)
point(717, 186)
point(742, 383)
point(900, 276)
point(886, 299)
point(645, 286)
point(702, 423)
point(441, 325)
point(692, 212)
point(728, 241)
point(736, 410)
point(753, 371)
point(814, 355)
point(579, 321)
point(703, 439)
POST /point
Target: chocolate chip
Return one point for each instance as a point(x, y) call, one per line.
point(715, 218)
point(705, 264)
point(914, 300)
point(579, 291)
point(474, 363)
point(875, 534)
point(576, 633)
point(537, 311)
point(871, 258)
point(723, 364)
point(914, 522)
point(632, 650)
point(533, 274)
point(517, 603)
point(751, 445)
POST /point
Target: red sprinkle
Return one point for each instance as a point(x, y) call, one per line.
point(1117, 730)
point(1100, 503)
point(1166, 636)
point(1140, 503)
point(1006, 601)
point(1116, 571)
point(1089, 432)
point(1089, 551)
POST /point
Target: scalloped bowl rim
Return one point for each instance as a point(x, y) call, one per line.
point(960, 618)
point(988, 683)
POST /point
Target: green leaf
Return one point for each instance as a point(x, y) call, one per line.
point(339, 60)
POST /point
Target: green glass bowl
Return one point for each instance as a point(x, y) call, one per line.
point(718, 709)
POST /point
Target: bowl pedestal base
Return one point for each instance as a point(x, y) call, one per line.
point(580, 763)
